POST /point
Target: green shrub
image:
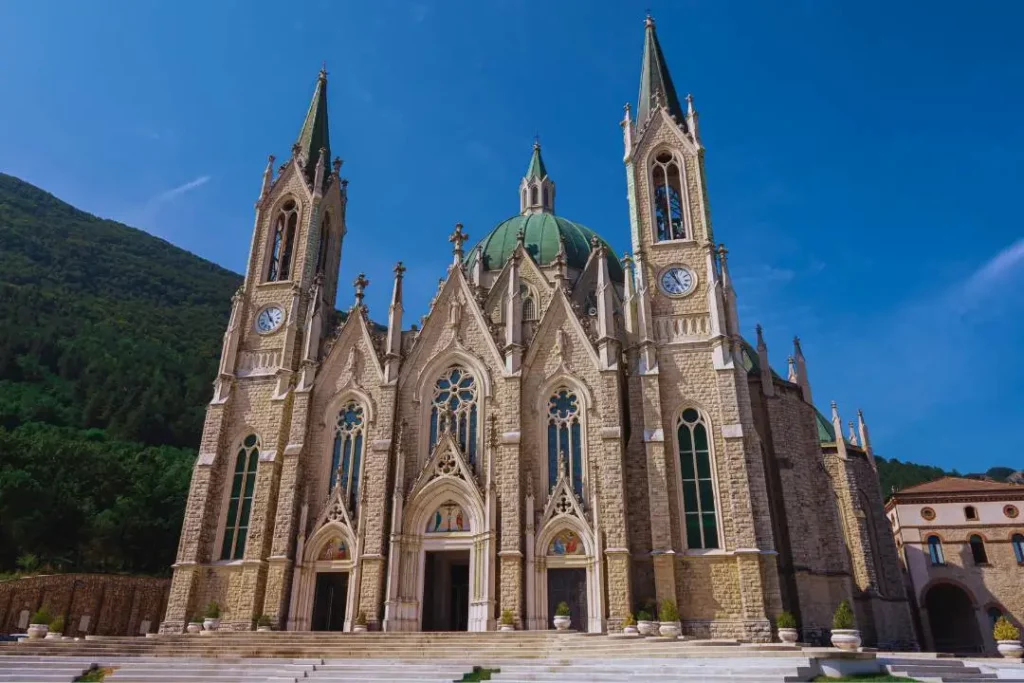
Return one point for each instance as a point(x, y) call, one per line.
point(263, 621)
point(42, 616)
point(843, 618)
point(361, 619)
point(1004, 630)
point(785, 620)
point(57, 625)
point(668, 611)
point(630, 621)
point(643, 615)
point(212, 610)
point(562, 610)
point(507, 618)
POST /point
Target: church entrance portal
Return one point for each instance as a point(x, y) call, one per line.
point(329, 599)
point(569, 586)
point(446, 590)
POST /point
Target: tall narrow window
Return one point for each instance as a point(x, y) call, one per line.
point(565, 443)
point(533, 195)
point(243, 481)
point(668, 198)
point(698, 484)
point(970, 512)
point(347, 455)
point(529, 303)
point(978, 549)
point(325, 236)
point(454, 408)
point(1018, 547)
point(935, 550)
point(282, 246)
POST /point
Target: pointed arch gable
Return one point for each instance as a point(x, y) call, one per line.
point(324, 534)
point(560, 523)
point(560, 306)
point(528, 271)
point(354, 333)
point(436, 492)
point(662, 119)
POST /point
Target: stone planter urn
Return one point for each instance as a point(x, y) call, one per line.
point(263, 629)
point(630, 630)
point(358, 628)
point(645, 627)
point(506, 628)
point(210, 624)
point(1010, 648)
point(37, 631)
point(846, 638)
point(194, 627)
point(789, 635)
point(53, 635)
point(668, 629)
point(562, 623)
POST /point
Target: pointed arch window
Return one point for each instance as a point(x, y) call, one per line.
point(325, 236)
point(565, 442)
point(978, 549)
point(455, 407)
point(935, 550)
point(668, 198)
point(699, 506)
point(243, 481)
point(529, 303)
point(1018, 547)
point(347, 453)
point(533, 195)
point(282, 244)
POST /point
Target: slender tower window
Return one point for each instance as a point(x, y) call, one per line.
point(1018, 547)
point(282, 246)
point(698, 485)
point(564, 439)
point(978, 549)
point(454, 407)
point(668, 202)
point(325, 235)
point(347, 455)
point(243, 481)
point(935, 550)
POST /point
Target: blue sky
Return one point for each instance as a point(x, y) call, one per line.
point(864, 160)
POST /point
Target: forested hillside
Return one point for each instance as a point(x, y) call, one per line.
point(109, 340)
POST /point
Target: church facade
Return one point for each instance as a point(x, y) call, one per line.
point(562, 426)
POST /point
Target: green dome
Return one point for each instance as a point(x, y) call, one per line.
point(542, 231)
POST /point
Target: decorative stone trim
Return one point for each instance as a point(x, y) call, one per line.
point(654, 435)
point(207, 459)
point(268, 456)
point(511, 437)
point(611, 433)
point(380, 445)
point(293, 449)
point(733, 431)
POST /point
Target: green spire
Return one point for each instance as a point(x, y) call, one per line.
point(655, 83)
point(314, 134)
point(536, 169)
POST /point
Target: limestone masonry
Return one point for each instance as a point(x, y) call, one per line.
point(562, 426)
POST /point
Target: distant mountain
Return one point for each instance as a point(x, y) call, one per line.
point(894, 475)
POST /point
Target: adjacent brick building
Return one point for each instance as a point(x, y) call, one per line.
point(561, 426)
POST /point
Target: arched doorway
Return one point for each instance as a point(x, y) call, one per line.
point(952, 618)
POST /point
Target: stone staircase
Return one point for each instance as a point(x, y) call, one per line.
point(761, 669)
point(17, 668)
point(939, 669)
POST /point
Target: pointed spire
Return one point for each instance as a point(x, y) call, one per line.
point(629, 295)
point(792, 377)
point(360, 283)
point(393, 353)
point(314, 135)
point(607, 337)
point(560, 262)
point(536, 189)
point(801, 368)
point(691, 118)
point(865, 438)
point(852, 434)
point(268, 177)
point(656, 87)
point(536, 168)
point(458, 238)
point(767, 385)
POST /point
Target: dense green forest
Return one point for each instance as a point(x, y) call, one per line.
point(109, 340)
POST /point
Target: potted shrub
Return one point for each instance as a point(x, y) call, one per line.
point(786, 625)
point(668, 616)
point(211, 617)
point(195, 625)
point(844, 635)
point(644, 623)
point(360, 623)
point(56, 629)
point(39, 624)
point(263, 623)
point(629, 625)
point(1007, 638)
point(508, 621)
point(562, 618)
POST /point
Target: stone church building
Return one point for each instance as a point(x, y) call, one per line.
point(562, 425)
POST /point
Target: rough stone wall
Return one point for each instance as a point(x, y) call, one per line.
point(91, 604)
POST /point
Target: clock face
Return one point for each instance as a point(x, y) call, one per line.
point(269, 319)
point(677, 280)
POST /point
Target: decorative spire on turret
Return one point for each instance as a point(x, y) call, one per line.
point(560, 263)
point(514, 314)
point(767, 386)
point(629, 295)
point(607, 339)
point(458, 238)
point(792, 372)
point(393, 352)
point(691, 118)
point(865, 438)
point(268, 176)
point(801, 369)
point(314, 135)
point(360, 283)
point(320, 175)
point(656, 89)
point(536, 190)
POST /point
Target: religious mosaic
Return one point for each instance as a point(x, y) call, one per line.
point(566, 543)
point(334, 549)
point(448, 517)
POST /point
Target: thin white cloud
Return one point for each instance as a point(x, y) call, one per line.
point(181, 189)
point(995, 269)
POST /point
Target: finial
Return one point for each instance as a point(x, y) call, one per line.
point(723, 252)
point(562, 467)
point(323, 71)
point(270, 160)
point(791, 362)
point(595, 243)
point(399, 269)
point(835, 416)
point(796, 346)
point(296, 149)
point(521, 236)
point(536, 141)
point(627, 261)
point(860, 414)
point(360, 283)
point(337, 165)
point(853, 434)
point(458, 238)
point(760, 334)
point(649, 21)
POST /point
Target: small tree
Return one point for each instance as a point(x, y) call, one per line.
point(1004, 630)
point(643, 615)
point(41, 616)
point(263, 621)
point(212, 610)
point(843, 618)
point(785, 620)
point(57, 625)
point(668, 611)
point(361, 619)
point(507, 618)
point(562, 610)
point(630, 621)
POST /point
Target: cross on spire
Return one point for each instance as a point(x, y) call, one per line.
point(458, 238)
point(399, 269)
point(360, 283)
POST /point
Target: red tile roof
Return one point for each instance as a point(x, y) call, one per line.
point(960, 485)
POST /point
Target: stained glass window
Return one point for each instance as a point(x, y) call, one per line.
point(564, 438)
point(698, 484)
point(347, 454)
point(282, 245)
point(243, 481)
point(454, 407)
point(668, 198)
point(935, 550)
point(1018, 547)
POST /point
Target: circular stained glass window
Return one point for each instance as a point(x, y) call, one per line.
point(690, 415)
point(1011, 511)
